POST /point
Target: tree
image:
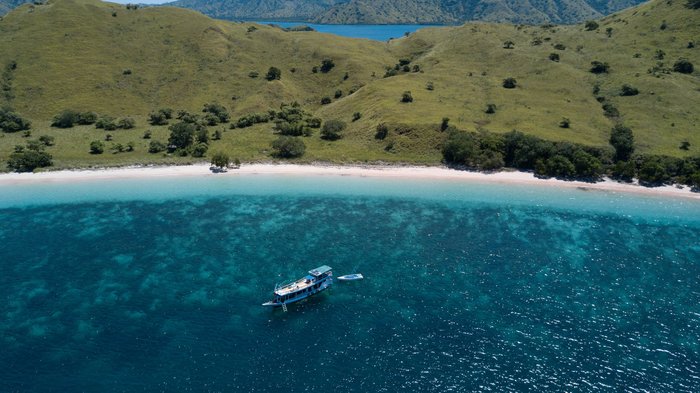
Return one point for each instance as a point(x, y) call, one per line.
point(685, 145)
point(47, 140)
point(12, 122)
point(199, 150)
point(157, 118)
point(288, 147)
point(66, 119)
point(508, 44)
point(87, 118)
point(327, 65)
point(683, 66)
point(202, 135)
point(356, 116)
point(622, 139)
point(147, 134)
point(220, 160)
point(490, 109)
point(406, 97)
point(273, 73)
point(461, 148)
point(219, 111)
point(693, 4)
point(586, 165)
point(382, 131)
point(591, 25)
point(598, 67)
point(29, 160)
point(181, 135)
point(628, 90)
point(609, 31)
point(510, 83)
point(554, 56)
point(565, 123)
point(560, 166)
point(107, 123)
point(332, 130)
point(325, 100)
point(338, 94)
point(97, 147)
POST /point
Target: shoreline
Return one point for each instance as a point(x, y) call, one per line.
point(387, 171)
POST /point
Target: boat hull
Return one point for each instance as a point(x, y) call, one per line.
point(326, 283)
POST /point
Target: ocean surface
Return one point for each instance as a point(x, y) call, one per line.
point(372, 32)
point(156, 285)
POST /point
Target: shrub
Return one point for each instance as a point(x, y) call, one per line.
point(29, 160)
point(199, 150)
point(338, 94)
point(508, 44)
point(181, 135)
point(598, 67)
point(406, 97)
point(216, 136)
point(622, 139)
point(147, 134)
point(66, 119)
point(510, 83)
point(683, 66)
point(554, 56)
point(416, 68)
point(97, 147)
point(325, 100)
point(356, 116)
point(157, 118)
point(47, 140)
point(253, 74)
point(628, 90)
point(490, 109)
point(685, 145)
point(327, 65)
point(332, 130)
point(220, 160)
point(610, 111)
point(156, 147)
point(693, 4)
point(659, 54)
point(445, 123)
point(86, 118)
point(217, 110)
point(565, 123)
point(382, 131)
point(560, 47)
point(126, 123)
point(288, 147)
point(591, 25)
point(430, 86)
point(106, 123)
point(273, 73)
point(609, 31)
point(559, 166)
point(12, 121)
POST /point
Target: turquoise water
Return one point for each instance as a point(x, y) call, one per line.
point(156, 285)
point(371, 32)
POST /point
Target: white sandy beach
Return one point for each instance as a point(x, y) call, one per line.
point(404, 172)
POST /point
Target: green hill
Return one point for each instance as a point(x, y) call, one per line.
point(409, 11)
point(101, 57)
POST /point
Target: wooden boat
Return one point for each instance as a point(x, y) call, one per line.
point(318, 280)
point(351, 277)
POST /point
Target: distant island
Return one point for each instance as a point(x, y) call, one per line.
point(124, 85)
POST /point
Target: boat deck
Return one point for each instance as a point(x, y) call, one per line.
point(297, 285)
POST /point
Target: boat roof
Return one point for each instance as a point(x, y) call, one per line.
point(320, 270)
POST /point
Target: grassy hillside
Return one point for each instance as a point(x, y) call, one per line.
point(102, 57)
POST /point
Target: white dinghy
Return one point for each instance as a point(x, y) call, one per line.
point(351, 277)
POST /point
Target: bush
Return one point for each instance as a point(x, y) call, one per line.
point(628, 90)
point(147, 134)
point(12, 121)
point(508, 44)
point(356, 116)
point(683, 66)
point(510, 83)
point(253, 74)
point(220, 160)
point(652, 172)
point(47, 140)
point(273, 73)
point(338, 94)
point(87, 118)
point(217, 110)
point(325, 100)
point(327, 65)
point(97, 147)
point(382, 131)
point(430, 86)
point(254, 118)
point(445, 123)
point(598, 67)
point(693, 4)
point(490, 109)
point(288, 147)
point(406, 97)
point(158, 118)
point(199, 150)
point(610, 111)
point(591, 25)
point(126, 123)
point(156, 147)
point(66, 119)
point(332, 130)
point(565, 123)
point(554, 57)
point(29, 160)
point(622, 139)
point(559, 166)
point(107, 123)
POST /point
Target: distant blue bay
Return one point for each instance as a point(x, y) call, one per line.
point(156, 285)
point(372, 32)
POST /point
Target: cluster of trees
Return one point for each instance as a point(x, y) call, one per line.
point(404, 65)
point(31, 156)
point(70, 118)
point(160, 117)
point(11, 121)
point(565, 160)
point(109, 123)
point(292, 120)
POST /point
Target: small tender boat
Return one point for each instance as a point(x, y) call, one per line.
point(351, 277)
point(317, 280)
